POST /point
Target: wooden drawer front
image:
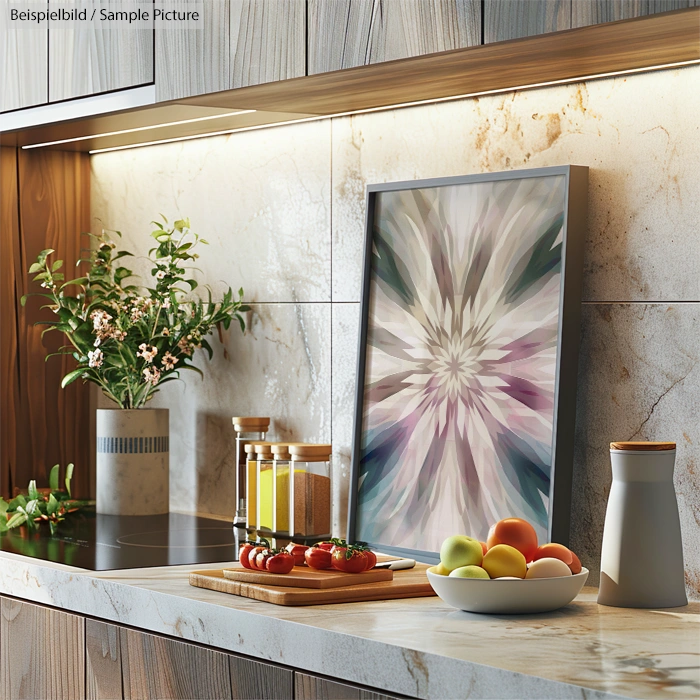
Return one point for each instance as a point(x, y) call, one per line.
point(131, 665)
point(313, 688)
point(41, 653)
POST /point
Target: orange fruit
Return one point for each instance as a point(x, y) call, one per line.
point(554, 551)
point(575, 565)
point(484, 548)
point(515, 532)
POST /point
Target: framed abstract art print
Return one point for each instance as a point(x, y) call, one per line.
point(466, 388)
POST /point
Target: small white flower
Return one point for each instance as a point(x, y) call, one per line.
point(148, 352)
point(95, 358)
point(166, 303)
point(169, 361)
point(152, 375)
point(160, 275)
point(97, 342)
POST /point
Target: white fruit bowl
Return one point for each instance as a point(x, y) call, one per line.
point(508, 597)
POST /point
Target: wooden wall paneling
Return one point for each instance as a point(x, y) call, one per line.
point(10, 264)
point(267, 41)
point(103, 663)
point(512, 19)
point(45, 659)
point(586, 12)
point(96, 56)
point(157, 668)
point(308, 687)
point(193, 61)
point(255, 679)
point(53, 424)
point(23, 62)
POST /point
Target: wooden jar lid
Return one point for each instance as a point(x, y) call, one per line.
point(643, 446)
point(310, 453)
point(244, 424)
point(249, 447)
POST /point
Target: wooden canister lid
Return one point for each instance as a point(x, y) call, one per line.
point(249, 447)
point(311, 453)
point(643, 446)
point(244, 424)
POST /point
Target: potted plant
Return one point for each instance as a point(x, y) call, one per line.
point(130, 340)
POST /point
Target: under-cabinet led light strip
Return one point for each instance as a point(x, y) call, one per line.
point(563, 81)
point(139, 128)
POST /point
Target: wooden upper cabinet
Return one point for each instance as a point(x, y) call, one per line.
point(90, 57)
point(237, 43)
point(512, 19)
point(585, 12)
point(42, 653)
point(23, 60)
point(349, 33)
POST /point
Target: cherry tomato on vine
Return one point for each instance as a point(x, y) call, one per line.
point(371, 559)
point(243, 552)
point(318, 558)
point(297, 551)
point(279, 563)
point(350, 559)
point(261, 558)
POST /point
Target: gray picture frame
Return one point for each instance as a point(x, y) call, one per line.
point(574, 232)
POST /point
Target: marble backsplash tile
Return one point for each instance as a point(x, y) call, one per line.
point(639, 379)
point(261, 199)
point(635, 134)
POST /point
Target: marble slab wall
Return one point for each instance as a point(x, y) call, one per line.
point(284, 211)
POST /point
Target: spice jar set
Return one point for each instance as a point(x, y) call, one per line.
point(283, 489)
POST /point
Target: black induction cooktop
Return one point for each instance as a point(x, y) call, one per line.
point(103, 542)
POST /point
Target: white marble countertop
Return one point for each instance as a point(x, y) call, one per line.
point(418, 647)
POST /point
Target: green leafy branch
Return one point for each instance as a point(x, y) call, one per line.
point(126, 338)
point(37, 507)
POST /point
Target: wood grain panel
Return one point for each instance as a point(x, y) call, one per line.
point(308, 687)
point(156, 668)
point(90, 57)
point(619, 46)
point(512, 19)
point(193, 62)
point(45, 659)
point(42, 424)
point(23, 63)
point(349, 33)
point(586, 12)
point(254, 679)
point(10, 265)
point(103, 671)
point(267, 41)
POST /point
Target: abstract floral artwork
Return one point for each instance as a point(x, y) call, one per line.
point(458, 401)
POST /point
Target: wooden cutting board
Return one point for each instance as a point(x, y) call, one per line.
point(411, 583)
point(304, 577)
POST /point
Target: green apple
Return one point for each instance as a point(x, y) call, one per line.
point(460, 550)
point(469, 572)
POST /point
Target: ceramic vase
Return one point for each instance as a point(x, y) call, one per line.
point(133, 461)
point(642, 557)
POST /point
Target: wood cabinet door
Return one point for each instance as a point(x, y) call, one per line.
point(90, 57)
point(308, 687)
point(23, 61)
point(41, 653)
point(125, 664)
point(349, 33)
point(237, 43)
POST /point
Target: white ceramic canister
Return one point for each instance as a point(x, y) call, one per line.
point(133, 461)
point(642, 557)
